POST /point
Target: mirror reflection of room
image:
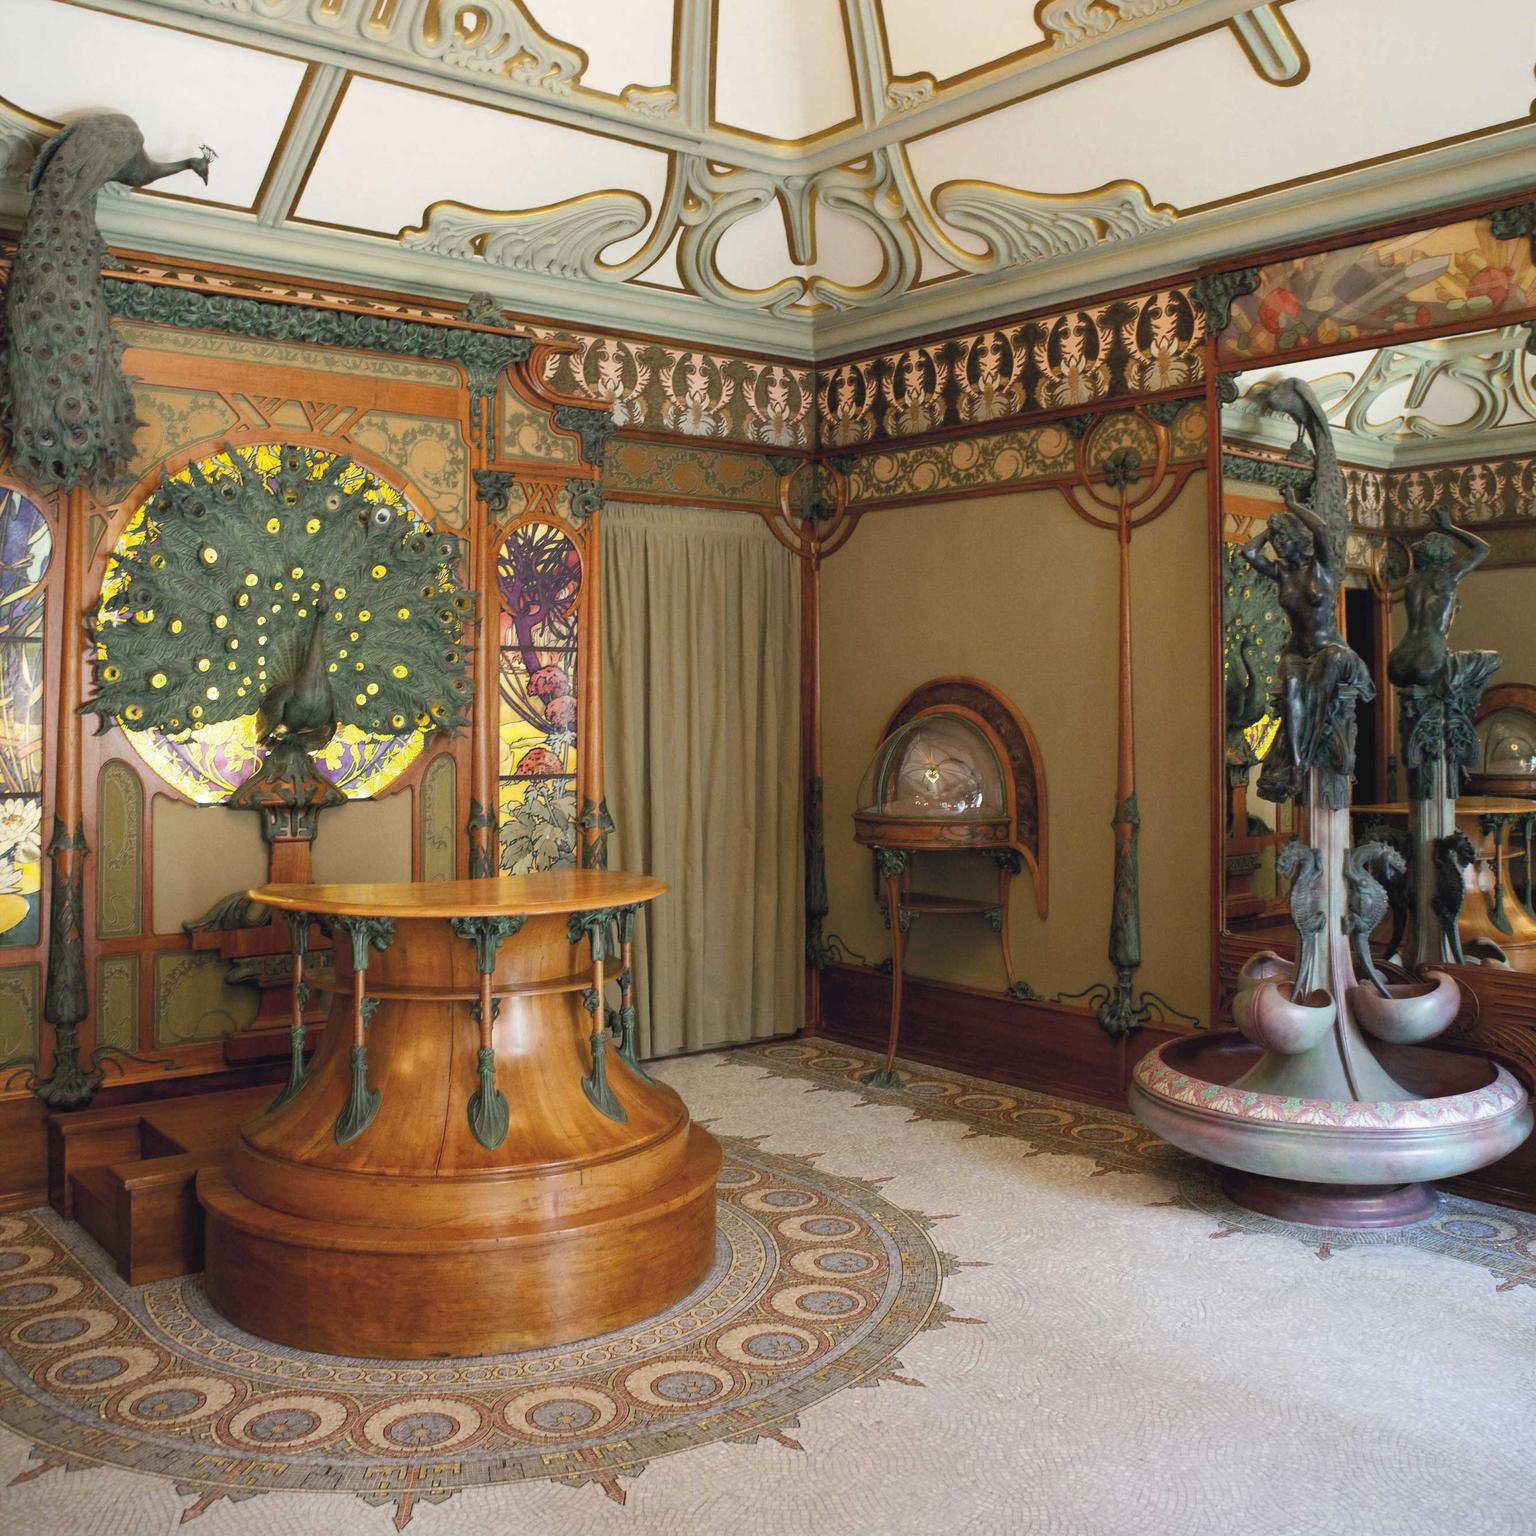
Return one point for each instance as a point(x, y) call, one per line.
point(1435, 439)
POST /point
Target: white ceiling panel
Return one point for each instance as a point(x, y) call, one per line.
point(391, 152)
point(949, 39)
point(1195, 124)
point(754, 252)
point(59, 62)
point(782, 67)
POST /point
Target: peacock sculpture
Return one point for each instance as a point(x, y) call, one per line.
point(299, 596)
point(64, 403)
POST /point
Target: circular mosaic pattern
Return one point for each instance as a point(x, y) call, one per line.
point(818, 1283)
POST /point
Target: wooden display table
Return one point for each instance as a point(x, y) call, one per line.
point(475, 1162)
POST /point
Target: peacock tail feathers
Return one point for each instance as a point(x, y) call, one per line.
point(293, 585)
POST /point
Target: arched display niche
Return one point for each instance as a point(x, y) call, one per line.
point(953, 734)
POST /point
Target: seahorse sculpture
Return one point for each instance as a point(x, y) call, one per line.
point(1302, 865)
point(1394, 875)
point(1368, 900)
point(1452, 855)
point(64, 403)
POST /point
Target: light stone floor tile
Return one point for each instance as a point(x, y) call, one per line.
point(1130, 1373)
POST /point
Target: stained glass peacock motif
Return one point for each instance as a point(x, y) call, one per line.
point(299, 596)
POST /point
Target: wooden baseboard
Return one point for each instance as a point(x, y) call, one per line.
point(1054, 1048)
point(24, 1120)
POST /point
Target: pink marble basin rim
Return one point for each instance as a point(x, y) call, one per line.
point(1473, 1112)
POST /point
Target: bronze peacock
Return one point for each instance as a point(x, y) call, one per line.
point(64, 403)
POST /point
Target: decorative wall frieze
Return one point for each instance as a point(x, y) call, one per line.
point(1481, 492)
point(1142, 345)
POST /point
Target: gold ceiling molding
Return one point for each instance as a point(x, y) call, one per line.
point(1070, 23)
point(705, 200)
point(484, 37)
point(564, 239)
point(1020, 227)
point(21, 136)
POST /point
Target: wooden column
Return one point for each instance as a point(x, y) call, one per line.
point(66, 1000)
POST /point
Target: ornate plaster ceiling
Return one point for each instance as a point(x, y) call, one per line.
point(805, 176)
point(1442, 401)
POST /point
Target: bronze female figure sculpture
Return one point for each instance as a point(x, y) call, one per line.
point(1321, 679)
point(1440, 687)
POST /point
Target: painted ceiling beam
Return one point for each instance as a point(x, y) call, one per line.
point(288, 26)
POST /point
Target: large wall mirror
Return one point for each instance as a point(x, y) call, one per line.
point(1424, 430)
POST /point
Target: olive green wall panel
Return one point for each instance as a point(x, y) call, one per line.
point(202, 854)
point(364, 840)
point(19, 1033)
point(117, 1002)
point(439, 819)
point(192, 1001)
point(120, 852)
point(1017, 590)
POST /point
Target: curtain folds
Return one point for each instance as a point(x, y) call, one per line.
point(701, 717)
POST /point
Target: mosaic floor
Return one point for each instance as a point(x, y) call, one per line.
point(1026, 1291)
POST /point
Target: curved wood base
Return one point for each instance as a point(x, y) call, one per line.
point(383, 1292)
point(471, 1164)
point(1349, 1207)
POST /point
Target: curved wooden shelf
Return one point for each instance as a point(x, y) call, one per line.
point(557, 890)
point(376, 1209)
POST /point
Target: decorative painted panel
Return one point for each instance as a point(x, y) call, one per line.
point(996, 461)
point(687, 471)
point(26, 547)
point(192, 1001)
point(117, 1002)
point(439, 819)
point(1078, 357)
point(173, 419)
point(539, 574)
point(432, 453)
point(119, 852)
point(525, 431)
point(19, 1027)
point(1458, 273)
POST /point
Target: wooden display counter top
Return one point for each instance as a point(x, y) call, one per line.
point(476, 1161)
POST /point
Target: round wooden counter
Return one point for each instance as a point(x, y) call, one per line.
point(475, 1161)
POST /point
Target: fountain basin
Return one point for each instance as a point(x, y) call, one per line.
point(1271, 1016)
point(1410, 1013)
point(1472, 1112)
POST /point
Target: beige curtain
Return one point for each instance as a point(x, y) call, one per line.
point(701, 722)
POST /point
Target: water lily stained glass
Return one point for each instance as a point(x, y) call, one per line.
point(207, 763)
point(26, 546)
point(538, 573)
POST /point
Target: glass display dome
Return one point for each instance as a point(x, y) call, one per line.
point(936, 767)
point(1508, 765)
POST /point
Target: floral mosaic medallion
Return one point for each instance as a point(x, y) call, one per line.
point(818, 1283)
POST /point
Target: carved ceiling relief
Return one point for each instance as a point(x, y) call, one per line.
point(908, 196)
